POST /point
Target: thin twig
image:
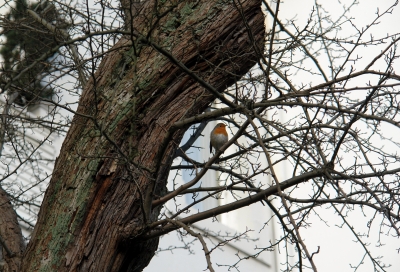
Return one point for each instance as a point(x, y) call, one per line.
point(198, 236)
point(275, 178)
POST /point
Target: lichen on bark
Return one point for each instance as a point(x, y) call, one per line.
point(96, 208)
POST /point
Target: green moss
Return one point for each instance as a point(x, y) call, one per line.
point(125, 109)
point(186, 11)
point(94, 133)
point(71, 208)
point(93, 165)
point(170, 25)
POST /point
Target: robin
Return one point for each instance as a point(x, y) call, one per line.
point(218, 137)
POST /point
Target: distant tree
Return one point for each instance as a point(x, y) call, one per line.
point(28, 45)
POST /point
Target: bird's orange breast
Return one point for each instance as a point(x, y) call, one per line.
point(221, 130)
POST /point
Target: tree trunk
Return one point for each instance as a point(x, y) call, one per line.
point(11, 240)
point(117, 153)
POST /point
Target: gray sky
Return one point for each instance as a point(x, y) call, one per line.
point(337, 250)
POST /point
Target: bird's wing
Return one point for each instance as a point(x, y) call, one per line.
point(210, 147)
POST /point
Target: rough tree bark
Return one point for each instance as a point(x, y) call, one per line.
point(11, 239)
point(114, 162)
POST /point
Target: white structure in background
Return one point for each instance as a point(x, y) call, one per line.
point(255, 221)
point(26, 161)
point(30, 180)
point(251, 220)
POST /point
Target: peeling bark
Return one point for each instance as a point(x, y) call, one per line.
point(113, 163)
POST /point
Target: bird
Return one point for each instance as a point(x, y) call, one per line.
point(218, 137)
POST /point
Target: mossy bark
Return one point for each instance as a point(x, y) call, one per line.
point(113, 163)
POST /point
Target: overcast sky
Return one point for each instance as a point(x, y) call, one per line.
point(333, 255)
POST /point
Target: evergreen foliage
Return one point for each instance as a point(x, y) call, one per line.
point(26, 40)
